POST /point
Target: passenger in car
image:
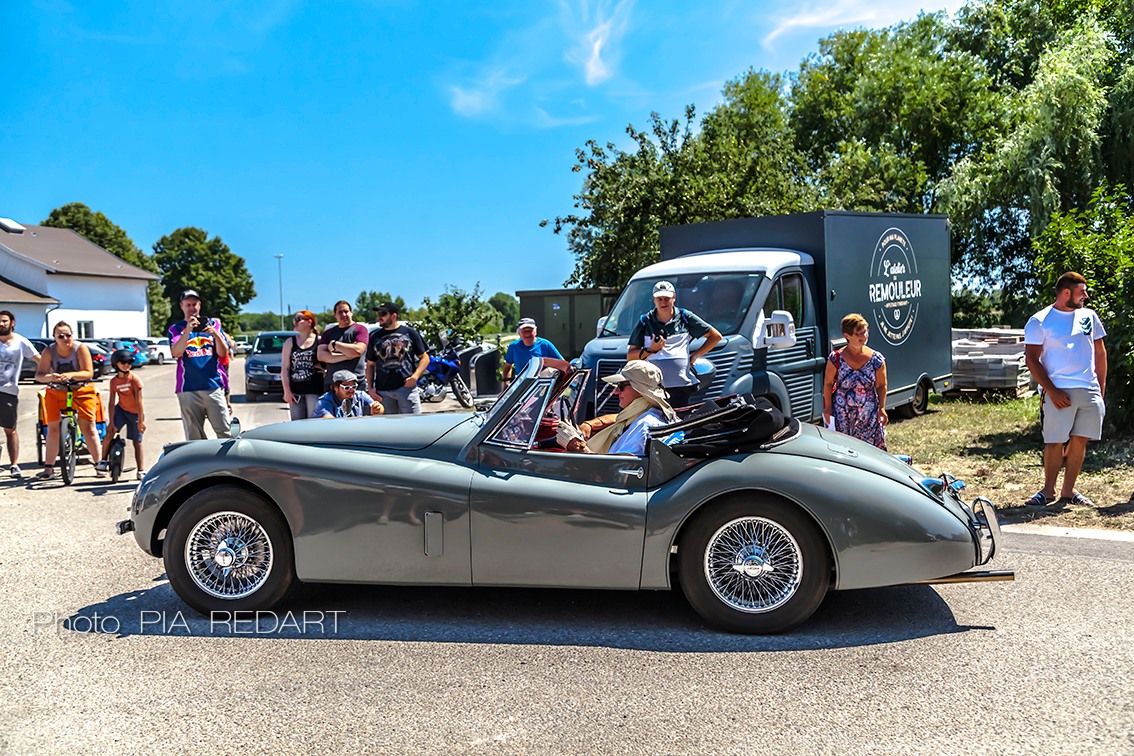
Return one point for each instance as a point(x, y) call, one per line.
point(644, 405)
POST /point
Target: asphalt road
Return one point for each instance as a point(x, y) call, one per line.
point(98, 654)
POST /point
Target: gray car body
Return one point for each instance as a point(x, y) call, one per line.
point(435, 500)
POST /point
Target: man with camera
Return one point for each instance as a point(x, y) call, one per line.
point(663, 337)
point(198, 344)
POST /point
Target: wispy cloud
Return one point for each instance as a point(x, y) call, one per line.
point(482, 94)
point(843, 13)
point(547, 121)
point(598, 32)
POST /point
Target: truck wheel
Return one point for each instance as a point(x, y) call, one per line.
point(229, 550)
point(754, 565)
point(920, 402)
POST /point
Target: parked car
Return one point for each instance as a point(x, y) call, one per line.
point(138, 346)
point(243, 345)
point(158, 349)
point(755, 538)
point(27, 371)
point(262, 366)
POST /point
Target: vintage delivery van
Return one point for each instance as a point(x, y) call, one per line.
point(778, 287)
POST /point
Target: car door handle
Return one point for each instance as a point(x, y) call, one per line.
point(637, 472)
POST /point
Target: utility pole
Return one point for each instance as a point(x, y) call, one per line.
point(279, 259)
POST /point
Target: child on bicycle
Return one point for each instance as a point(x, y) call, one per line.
point(126, 410)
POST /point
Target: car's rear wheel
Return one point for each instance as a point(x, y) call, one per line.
point(754, 566)
point(229, 550)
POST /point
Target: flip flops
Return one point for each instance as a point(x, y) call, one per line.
point(1077, 499)
point(1040, 499)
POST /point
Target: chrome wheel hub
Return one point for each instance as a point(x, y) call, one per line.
point(229, 555)
point(753, 564)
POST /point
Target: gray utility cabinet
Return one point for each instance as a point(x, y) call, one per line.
point(567, 317)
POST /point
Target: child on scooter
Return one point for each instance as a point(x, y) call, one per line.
point(125, 409)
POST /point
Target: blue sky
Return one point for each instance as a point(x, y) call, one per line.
point(376, 144)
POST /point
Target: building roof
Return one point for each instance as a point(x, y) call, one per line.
point(11, 293)
point(61, 250)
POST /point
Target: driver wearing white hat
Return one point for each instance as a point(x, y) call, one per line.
point(644, 405)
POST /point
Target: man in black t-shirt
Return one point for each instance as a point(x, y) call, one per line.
point(395, 358)
point(342, 345)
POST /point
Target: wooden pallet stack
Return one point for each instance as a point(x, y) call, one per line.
point(990, 359)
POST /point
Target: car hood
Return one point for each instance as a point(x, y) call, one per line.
point(400, 432)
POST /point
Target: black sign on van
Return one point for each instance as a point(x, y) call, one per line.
point(895, 287)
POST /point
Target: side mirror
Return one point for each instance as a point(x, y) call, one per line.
point(777, 331)
point(599, 326)
point(234, 427)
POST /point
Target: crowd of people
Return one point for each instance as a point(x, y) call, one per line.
point(348, 370)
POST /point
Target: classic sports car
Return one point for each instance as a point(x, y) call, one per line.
point(754, 536)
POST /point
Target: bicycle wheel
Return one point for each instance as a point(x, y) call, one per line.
point(117, 454)
point(67, 454)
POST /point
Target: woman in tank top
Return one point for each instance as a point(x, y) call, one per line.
point(67, 359)
point(301, 373)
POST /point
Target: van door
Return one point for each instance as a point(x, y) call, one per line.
point(799, 367)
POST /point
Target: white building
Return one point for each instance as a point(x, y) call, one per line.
point(52, 274)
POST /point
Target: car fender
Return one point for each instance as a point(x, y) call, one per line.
point(880, 531)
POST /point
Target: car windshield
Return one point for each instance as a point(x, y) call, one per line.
point(270, 343)
point(722, 299)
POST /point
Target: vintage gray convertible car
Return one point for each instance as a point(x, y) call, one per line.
point(754, 537)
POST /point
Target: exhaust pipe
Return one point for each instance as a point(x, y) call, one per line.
point(977, 576)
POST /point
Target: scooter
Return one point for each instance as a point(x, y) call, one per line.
point(443, 374)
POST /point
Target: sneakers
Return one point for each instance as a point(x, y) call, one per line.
point(15, 471)
point(141, 474)
point(102, 466)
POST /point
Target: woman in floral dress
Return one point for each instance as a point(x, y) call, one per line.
point(854, 386)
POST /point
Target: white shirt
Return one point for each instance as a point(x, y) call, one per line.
point(12, 356)
point(1068, 341)
point(633, 439)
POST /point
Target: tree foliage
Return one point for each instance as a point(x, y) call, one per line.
point(508, 307)
point(459, 314)
point(1008, 116)
point(366, 301)
point(1098, 241)
point(189, 259)
point(98, 229)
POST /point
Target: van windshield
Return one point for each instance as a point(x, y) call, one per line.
point(722, 299)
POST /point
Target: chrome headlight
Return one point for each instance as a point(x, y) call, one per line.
point(258, 368)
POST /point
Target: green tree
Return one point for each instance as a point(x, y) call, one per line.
point(461, 314)
point(98, 229)
point(366, 301)
point(508, 307)
point(252, 322)
point(189, 259)
point(1098, 241)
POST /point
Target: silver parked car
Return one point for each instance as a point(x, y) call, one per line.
point(755, 537)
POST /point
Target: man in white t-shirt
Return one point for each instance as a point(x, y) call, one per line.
point(14, 349)
point(1063, 348)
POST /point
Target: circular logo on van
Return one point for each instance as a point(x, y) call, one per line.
point(895, 288)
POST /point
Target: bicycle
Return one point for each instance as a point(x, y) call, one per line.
point(71, 442)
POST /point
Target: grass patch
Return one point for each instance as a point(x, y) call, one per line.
point(995, 445)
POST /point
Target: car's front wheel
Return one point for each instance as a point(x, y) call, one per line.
point(754, 566)
point(229, 550)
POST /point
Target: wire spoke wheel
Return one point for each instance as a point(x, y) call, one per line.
point(753, 564)
point(229, 555)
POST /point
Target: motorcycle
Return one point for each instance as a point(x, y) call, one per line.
point(443, 375)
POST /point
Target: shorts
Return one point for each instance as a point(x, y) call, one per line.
point(85, 400)
point(1083, 418)
point(129, 421)
point(9, 404)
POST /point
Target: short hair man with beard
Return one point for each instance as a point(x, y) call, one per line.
point(14, 349)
